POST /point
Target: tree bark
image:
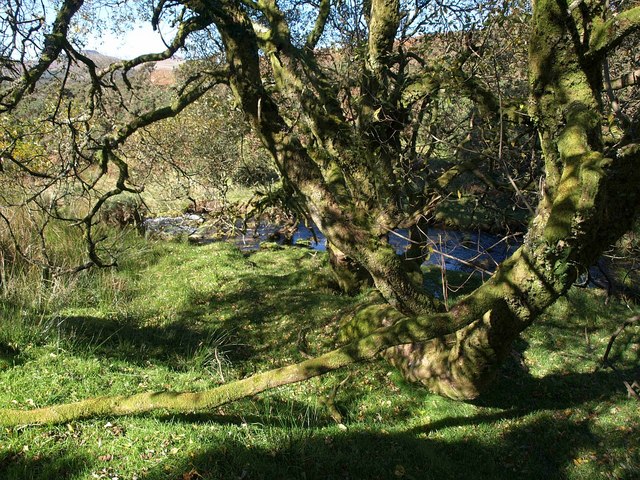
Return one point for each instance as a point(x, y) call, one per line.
point(350, 276)
point(590, 199)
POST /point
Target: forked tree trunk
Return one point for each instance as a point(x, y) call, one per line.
point(589, 201)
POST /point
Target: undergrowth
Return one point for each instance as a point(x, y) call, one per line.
point(181, 317)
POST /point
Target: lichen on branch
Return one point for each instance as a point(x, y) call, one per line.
point(405, 331)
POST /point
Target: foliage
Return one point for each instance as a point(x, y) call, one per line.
point(201, 155)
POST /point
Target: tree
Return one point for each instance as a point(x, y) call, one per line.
point(345, 145)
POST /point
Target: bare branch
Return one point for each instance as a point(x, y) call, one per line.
point(54, 43)
point(627, 323)
point(186, 27)
point(185, 99)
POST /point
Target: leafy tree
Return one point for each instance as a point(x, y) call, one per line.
point(201, 154)
point(341, 94)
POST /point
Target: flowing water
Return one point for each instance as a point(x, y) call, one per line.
point(453, 250)
point(477, 252)
point(460, 251)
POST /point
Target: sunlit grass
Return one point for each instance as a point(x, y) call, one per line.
point(181, 317)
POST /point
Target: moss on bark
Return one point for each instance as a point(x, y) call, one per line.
point(407, 330)
point(578, 202)
point(350, 276)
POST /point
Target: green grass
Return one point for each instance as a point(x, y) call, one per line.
point(181, 317)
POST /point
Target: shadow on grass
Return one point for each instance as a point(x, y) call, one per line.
point(538, 438)
point(534, 436)
point(63, 464)
point(558, 390)
point(126, 339)
point(540, 449)
point(267, 314)
point(9, 356)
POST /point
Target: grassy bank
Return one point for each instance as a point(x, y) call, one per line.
point(180, 317)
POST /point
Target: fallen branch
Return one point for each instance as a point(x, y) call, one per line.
point(626, 80)
point(408, 330)
point(628, 322)
point(330, 403)
point(633, 389)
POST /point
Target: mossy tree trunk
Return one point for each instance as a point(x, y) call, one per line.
point(588, 202)
point(345, 178)
point(346, 173)
point(354, 206)
point(351, 199)
point(350, 277)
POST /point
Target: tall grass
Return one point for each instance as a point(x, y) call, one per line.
point(37, 260)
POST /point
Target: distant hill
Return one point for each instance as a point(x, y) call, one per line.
point(99, 59)
point(163, 73)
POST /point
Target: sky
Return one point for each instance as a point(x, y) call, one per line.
point(136, 41)
point(137, 38)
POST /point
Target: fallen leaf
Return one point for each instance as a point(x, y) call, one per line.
point(191, 475)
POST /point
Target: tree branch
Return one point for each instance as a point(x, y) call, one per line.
point(383, 26)
point(407, 330)
point(318, 28)
point(608, 34)
point(627, 323)
point(185, 99)
point(53, 45)
point(186, 27)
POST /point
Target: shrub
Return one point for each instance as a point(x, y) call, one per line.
point(126, 209)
